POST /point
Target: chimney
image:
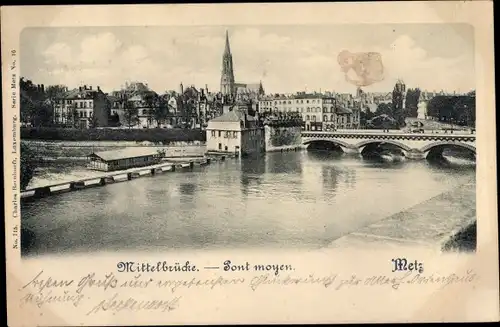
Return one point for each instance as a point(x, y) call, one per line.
point(90, 87)
point(98, 88)
point(80, 88)
point(85, 87)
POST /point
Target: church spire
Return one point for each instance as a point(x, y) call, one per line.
point(227, 86)
point(227, 50)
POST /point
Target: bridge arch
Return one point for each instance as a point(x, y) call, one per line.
point(374, 141)
point(448, 143)
point(340, 143)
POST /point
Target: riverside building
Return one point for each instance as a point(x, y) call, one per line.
point(235, 132)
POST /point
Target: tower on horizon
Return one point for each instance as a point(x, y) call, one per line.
point(227, 84)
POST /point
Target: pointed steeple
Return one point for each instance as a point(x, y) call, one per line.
point(227, 76)
point(227, 49)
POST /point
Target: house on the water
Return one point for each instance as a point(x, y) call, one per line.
point(235, 132)
point(124, 158)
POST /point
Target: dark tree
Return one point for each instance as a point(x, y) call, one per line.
point(130, 114)
point(365, 115)
point(161, 111)
point(453, 109)
point(411, 103)
point(151, 101)
point(93, 122)
point(28, 165)
point(384, 109)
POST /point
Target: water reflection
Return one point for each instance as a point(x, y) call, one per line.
point(291, 199)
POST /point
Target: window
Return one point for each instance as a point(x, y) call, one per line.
point(90, 113)
point(332, 118)
point(81, 114)
point(235, 134)
point(220, 145)
point(325, 118)
point(213, 133)
point(85, 114)
point(307, 117)
point(219, 133)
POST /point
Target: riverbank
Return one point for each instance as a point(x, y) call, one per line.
point(164, 135)
point(445, 222)
point(50, 151)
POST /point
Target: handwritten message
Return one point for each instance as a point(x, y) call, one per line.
point(120, 290)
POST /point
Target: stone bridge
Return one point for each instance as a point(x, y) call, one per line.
point(412, 145)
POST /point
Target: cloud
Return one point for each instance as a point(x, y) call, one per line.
point(58, 54)
point(98, 49)
point(285, 63)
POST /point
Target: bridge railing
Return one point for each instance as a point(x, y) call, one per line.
point(390, 132)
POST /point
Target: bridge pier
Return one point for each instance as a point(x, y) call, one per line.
point(352, 151)
point(42, 192)
point(415, 155)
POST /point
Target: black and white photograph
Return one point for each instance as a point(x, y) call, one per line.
point(266, 163)
point(247, 137)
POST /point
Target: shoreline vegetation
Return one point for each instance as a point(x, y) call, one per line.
point(28, 165)
point(164, 135)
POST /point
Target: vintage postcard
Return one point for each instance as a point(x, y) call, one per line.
point(250, 163)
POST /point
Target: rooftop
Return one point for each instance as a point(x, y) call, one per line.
point(229, 117)
point(131, 152)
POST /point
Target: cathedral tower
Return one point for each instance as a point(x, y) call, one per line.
point(227, 76)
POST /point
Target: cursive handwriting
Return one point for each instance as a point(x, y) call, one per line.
point(90, 281)
point(41, 298)
point(116, 304)
point(102, 293)
point(267, 279)
point(174, 284)
point(40, 284)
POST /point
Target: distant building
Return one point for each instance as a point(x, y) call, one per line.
point(399, 96)
point(422, 109)
point(229, 88)
point(318, 111)
point(83, 107)
point(235, 132)
point(145, 108)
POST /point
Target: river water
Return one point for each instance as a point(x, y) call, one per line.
point(300, 200)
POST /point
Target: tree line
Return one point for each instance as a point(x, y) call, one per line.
point(458, 109)
point(37, 105)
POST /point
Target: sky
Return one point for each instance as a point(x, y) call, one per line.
point(286, 59)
